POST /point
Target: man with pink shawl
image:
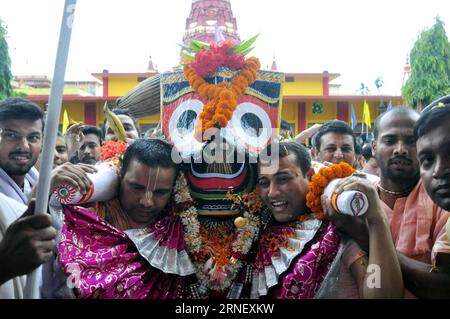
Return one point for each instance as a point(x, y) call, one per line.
point(301, 255)
point(130, 246)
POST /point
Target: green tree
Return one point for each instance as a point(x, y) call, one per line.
point(5, 65)
point(430, 66)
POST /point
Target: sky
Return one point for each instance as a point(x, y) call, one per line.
point(359, 39)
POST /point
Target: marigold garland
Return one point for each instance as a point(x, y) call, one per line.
point(274, 242)
point(320, 180)
point(226, 252)
point(113, 150)
point(250, 202)
point(222, 99)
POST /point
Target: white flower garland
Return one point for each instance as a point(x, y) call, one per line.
point(189, 218)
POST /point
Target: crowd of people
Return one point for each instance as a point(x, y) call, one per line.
point(135, 244)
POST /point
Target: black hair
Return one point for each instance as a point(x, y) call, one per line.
point(151, 152)
point(120, 112)
point(335, 126)
point(90, 129)
point(367, 151)
point(285, 125)
point(442, 100)
point(15, 108)
point(395, 111)
point(432, 118)
point(285, 148)
point(358, 149)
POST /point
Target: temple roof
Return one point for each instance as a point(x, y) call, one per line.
point(274, 65)
point(150, 67)
point(205, 16)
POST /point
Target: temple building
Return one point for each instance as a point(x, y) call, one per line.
point(307, 98)
point(205, 17)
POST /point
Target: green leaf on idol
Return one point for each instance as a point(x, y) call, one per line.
point(198, 45)
point(245, 52)
point(187, 55)
point(184, 47)
point(242, 47)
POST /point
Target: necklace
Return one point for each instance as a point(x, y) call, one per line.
point(395, 194)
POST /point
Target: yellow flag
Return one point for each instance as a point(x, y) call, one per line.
point(366, 115)
point(66, 122)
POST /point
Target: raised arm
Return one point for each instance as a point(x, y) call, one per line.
point(382, 273)
point(74, 138)
point(305, 134)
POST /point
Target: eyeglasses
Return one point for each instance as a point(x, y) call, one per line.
point(15, 137)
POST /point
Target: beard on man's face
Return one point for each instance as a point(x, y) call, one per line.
point(400, 169)
point(88, 160)
point(14, 170)
point(18, 163)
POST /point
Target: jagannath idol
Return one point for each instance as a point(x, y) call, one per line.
point(219, 112)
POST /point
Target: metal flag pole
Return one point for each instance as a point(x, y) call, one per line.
point(362, 124)
point(51, 126)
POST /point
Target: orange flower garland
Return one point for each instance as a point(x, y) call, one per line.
point(250, 202)
point(320, 180)
point(275, 242)
point(112, 149)
point(216, 244)
point(222, 99)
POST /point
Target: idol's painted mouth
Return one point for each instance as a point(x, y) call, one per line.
point(202, 171)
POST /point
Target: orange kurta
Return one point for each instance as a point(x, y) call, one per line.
point(418, 226)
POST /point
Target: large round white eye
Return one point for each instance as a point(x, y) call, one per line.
point(181, 125)
point(251, 126)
